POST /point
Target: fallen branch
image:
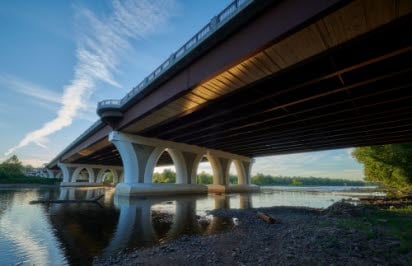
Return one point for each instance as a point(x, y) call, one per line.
point(267, 218)
point(95, 200)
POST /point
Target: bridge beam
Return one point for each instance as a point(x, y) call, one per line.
point(140, 156)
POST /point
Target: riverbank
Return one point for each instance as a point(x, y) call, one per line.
point(342, 234)
point(29, 185)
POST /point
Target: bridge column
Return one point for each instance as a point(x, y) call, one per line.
point(220, 162)
point(140, 155)
point(244, 169)
point(67, 172)
point(52, 173)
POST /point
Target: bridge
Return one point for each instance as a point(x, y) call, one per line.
point(261, 78)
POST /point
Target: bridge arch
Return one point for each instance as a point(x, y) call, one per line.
point(103, 172)
point(182, 173)
point(79, 170)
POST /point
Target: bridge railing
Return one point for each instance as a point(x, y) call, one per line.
point(215, 23)
point(108, 103)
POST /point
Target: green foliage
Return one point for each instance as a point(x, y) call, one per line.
point(388, 164)
point(233, 179)
point(108, 178)
point(204, 178)
point(12, 172)
point(263, 180)
point(167, 176)
point(11, 167)
point(269, 180)
point(207, 179)
point(296, 182)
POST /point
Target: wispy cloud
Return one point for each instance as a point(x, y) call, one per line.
point(101, 43)
point(28, 88)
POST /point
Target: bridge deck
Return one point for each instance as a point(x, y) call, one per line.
point(340, 79)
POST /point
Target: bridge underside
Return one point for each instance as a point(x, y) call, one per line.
point(354, 94)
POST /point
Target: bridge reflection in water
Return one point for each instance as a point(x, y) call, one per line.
point(89, 230)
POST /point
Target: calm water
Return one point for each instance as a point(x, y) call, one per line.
point(63, 234)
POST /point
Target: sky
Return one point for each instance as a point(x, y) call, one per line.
point(59, 58)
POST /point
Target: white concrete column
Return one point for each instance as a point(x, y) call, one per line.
point(247, 165)
point(243, 169)
point(67, 171)
point(59, 174)
point(220, 167)
point(134, 157)
point(180, 165)
point(191, 161)
point(50, 173)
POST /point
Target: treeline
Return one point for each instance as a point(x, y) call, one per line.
point(12, 172)
point(269, 180)
point(168, 176)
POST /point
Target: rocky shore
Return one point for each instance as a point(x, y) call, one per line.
point(342, 234)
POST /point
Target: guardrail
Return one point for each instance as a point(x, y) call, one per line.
point(215, 23)
point(108, 103)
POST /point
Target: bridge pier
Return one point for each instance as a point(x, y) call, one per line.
point(53, 173)
point(95, 174)
point(140, 156)
point(221, 165)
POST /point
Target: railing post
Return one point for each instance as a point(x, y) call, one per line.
point(213, 22)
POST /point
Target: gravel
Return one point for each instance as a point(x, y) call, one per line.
point(303, 236)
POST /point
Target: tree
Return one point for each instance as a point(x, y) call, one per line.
point(388, 164)
point(12, 167)
point(167, 176)
point(204, 178)
point(296, 182)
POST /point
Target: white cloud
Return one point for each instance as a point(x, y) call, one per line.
point(100, 45)
point(30, 89)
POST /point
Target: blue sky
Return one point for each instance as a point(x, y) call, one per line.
point(59, 58)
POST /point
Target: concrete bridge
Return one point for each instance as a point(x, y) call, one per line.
point(262, 78)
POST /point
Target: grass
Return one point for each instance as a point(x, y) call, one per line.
point(396, 223)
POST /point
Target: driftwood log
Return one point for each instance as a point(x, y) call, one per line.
point(267, 218)
point(93, 200)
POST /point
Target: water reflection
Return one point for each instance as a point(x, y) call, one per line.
point(59, 234)
point(26, 236)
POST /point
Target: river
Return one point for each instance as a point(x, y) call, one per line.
point(67, 234)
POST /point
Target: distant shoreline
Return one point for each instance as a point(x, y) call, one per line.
point(27, 185)
point(272, 187)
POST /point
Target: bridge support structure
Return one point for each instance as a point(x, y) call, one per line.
point(141, 154)
point(53, 173)
point(95, 174)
